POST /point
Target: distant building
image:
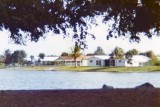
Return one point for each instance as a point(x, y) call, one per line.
point(51, 60)
point(103, 60)
point(96, 60)
point(137, 60)
point(30, 61)
point(69, 61)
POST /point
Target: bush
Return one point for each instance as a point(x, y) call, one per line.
point(157, 63)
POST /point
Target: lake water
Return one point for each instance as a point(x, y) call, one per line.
point(32, 80)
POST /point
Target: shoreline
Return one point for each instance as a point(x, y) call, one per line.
point(148, 97)
point(87, 69)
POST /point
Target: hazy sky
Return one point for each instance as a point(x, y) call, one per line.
point(56, 44)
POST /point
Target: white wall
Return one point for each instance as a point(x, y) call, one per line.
point(138, 60)
point(84, 63)
point(134, 64)
point(92, 61)
point(70, 63)
point(119, 62)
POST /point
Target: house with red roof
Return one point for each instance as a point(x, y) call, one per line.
point(69, 61)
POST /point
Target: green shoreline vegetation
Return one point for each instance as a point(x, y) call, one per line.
point(88, 69)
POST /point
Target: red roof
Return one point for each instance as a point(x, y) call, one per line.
point(69, 58)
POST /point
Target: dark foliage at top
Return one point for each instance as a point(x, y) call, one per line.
point(36, 17)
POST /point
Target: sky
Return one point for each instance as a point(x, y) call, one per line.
point(56, 44)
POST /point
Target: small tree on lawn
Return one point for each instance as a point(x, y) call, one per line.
point(75, 53)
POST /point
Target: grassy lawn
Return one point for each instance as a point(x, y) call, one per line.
point(37, 68)
point(58, 68)
point(111, 69)
point(94, 69)
point(2, 66)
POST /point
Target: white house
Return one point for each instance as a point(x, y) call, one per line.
point(137, 60)
point(99, 60)
point(49, 60)
point(69, 61)
point(119, 62)
point(31, 61)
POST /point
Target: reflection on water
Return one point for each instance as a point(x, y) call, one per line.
point(31, 80)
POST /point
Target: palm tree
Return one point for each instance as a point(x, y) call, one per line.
point(75, 53)
point(118, 52)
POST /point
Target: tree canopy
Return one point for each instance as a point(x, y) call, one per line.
point(7, 57)
point(41, 55)
point(99, 51)
point(18, 56)
point(36, 17)
point(129, 54)
point(118, 52)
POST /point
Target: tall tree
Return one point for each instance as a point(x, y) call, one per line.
point(58, 15)
point(7, 57)
point(130, 53)
point(18, 56)
point(41, 55)
point(75, 53)
point(99, 51)
point(118, 52)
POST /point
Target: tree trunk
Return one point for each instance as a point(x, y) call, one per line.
point(75, 63)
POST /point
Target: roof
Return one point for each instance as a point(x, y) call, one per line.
point(103, 57)
point(140, 58)
point(50, 58)
point(69, 58)
point(87, 57)
point(34, 59)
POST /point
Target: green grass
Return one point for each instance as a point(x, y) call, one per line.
point(38, 68)
point(2, 66)
point(92, 69)
point(70, 68)
point(110, 69)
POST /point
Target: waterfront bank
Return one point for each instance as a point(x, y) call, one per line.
point(88, 69)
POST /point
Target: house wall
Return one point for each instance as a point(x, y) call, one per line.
point(68, 63)
point(60, 61)
point(119, 62)
point(93, 62)
point(72, 63)
point(138, 60)
point(84, 63)
point(134, 64)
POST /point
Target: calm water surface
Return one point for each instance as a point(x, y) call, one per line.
point(32, 80)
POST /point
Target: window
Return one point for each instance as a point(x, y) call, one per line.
point(91, 61)
point(120, 61)
point(98, 62)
